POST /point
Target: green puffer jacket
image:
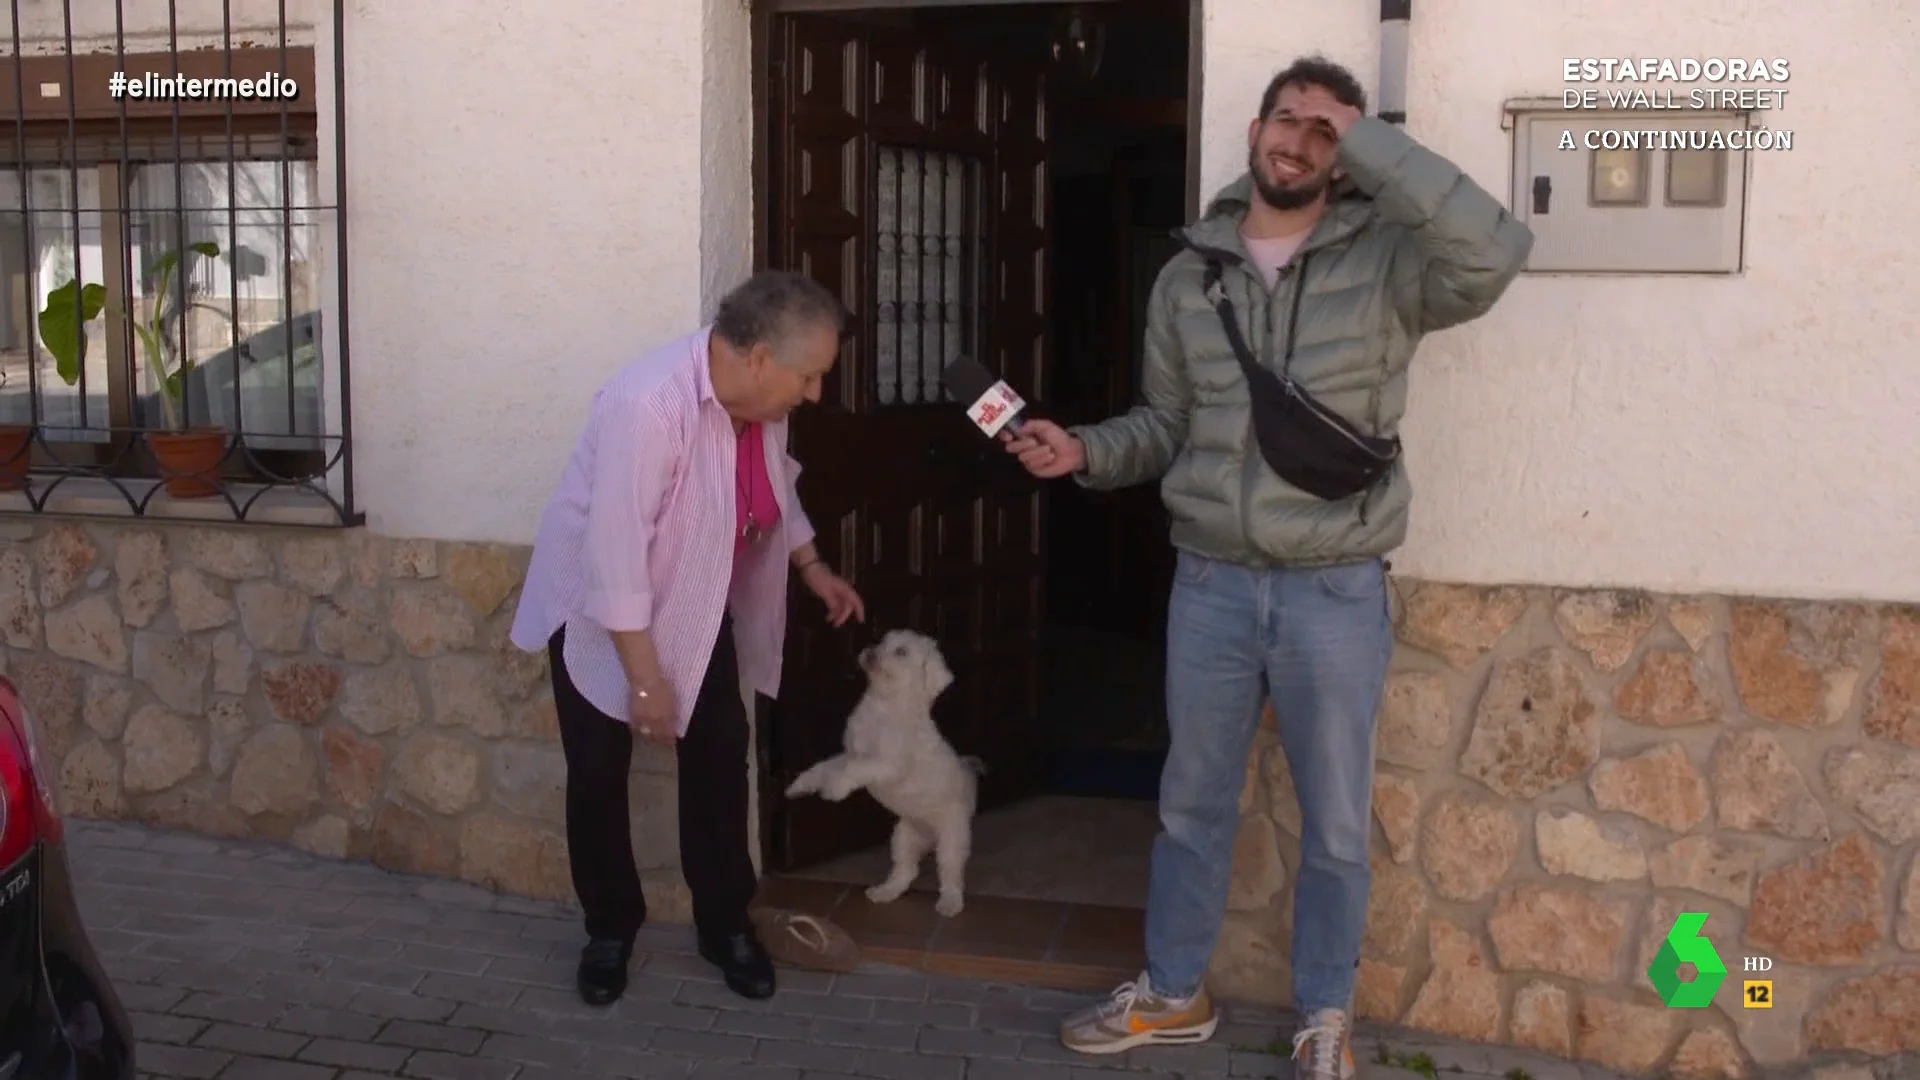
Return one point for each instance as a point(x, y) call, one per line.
point(1410, 245)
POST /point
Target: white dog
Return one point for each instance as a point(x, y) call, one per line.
point(895, 752)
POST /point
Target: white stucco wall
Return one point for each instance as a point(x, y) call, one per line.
point(1758, 435)
point(532, 203)
point(524, 203)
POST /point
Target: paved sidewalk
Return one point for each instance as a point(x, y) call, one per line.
point(248, 961)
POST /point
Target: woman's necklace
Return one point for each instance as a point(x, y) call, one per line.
point(743, 491)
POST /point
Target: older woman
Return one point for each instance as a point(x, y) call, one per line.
point(659, 579)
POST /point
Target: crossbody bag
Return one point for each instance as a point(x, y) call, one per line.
point(1303, 441)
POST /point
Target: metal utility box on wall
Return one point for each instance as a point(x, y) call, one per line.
point(1620, 201)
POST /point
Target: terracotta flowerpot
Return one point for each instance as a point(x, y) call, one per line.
point(16, 454)
point(189, 460)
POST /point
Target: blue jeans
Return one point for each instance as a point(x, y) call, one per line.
point(1318, 642)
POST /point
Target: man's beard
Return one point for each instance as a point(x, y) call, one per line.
point(1285, 198)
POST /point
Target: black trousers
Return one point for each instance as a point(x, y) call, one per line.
point(712, 761)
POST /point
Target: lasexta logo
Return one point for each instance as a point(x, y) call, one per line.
point(1685, 944)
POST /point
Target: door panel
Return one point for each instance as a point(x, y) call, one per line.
point(892, 184)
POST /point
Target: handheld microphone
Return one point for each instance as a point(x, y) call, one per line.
point(995, 407)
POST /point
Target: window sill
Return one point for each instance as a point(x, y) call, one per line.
point(238, 503)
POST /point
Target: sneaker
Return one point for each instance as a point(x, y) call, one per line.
point(1135, 1016)
point(1323, 1048)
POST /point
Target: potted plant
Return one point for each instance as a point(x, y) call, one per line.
point(16, 450)
point(189, 459)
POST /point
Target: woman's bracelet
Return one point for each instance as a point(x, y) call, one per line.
point(808, 565)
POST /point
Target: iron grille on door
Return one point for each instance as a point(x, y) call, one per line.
point(927, 258)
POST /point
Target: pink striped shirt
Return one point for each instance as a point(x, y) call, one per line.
point(639, 535)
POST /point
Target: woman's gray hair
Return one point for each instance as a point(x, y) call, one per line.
point(773, 305)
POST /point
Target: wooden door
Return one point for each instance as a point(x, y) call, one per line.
point(910, 179)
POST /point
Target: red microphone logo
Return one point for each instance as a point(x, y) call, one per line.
point(995, 408)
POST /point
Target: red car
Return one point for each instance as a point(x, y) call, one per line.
point(59, 1016)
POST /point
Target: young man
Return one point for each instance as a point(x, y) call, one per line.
point(1280, 592)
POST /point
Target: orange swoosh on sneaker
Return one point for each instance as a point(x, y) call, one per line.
point(1136, 1025)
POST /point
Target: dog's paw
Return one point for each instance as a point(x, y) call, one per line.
point(949, 904)
point(884, 894)
point(835, 792)
point(805, 784)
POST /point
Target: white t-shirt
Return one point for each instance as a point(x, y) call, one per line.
point(1271, 254)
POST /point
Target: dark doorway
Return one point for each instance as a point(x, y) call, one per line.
point(999, 181)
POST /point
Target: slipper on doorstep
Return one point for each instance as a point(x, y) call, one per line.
point(805, 941)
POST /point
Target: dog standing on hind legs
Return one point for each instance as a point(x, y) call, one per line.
point(893, 749)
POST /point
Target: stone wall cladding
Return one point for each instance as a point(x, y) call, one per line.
point(1561, 773)
point(354, 695)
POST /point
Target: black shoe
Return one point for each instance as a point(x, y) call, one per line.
point(745, 965)
point(603, 970)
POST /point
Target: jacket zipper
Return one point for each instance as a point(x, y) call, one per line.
point(1249, 453)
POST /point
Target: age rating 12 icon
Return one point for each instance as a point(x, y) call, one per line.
point(1685, 944)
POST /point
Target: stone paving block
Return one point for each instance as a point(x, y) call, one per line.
point(340, 971)
point(352, 941)
point(821, 1006)
point(1210, 1058)
point(522, 1049)
point(436, 1066)
point(803, 1055)
point(670, 1015)
point(180, 1061)
point(318, 990)
point(135, 968)
point(745, 1071)
point(1019, 1020)
point(1257, 1064)
point(702, 1045)
point(441, 958)
point(328, 1023)
point(1018, 1070)
point(898, 1065)
point(255, 1012)
point(762, 1025)
point(925, 1014)
point(421, 1036)
point(154, 1027)
point(141, 997)
point(251, 1041)
point(466, 989)
point(546, 973)
point(553, 930)
point(973, 1045)
point(514, 1021)
point(374, 1001)
point(271, 1069)
point(872, 1035)
point(902, 987)
point(1048, 1051)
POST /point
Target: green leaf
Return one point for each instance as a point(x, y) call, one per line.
point(63, 325)
point(169, 260)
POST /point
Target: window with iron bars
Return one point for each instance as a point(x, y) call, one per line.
point(163, 259)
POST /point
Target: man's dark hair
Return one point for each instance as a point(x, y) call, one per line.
point(772, 304)
point(1317, 71)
